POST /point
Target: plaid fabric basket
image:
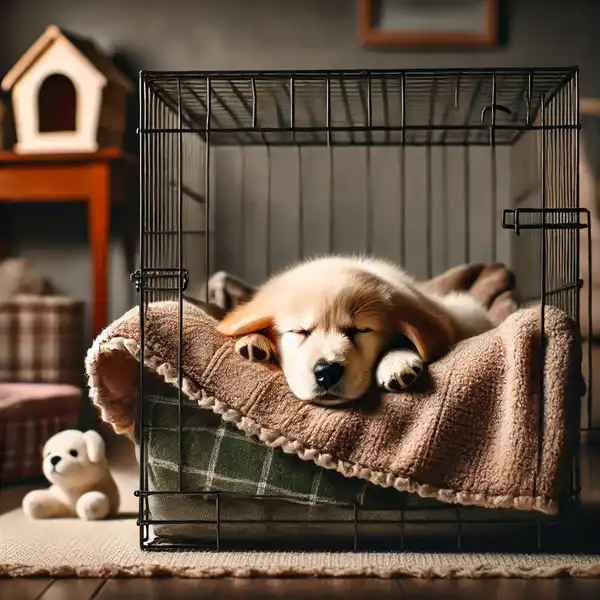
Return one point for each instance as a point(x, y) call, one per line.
point(41, 340)
point(30, 413)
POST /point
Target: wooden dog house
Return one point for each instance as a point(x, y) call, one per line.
point(67, 96)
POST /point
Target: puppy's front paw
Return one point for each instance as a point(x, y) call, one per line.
point(398, 370)
point(256, 347)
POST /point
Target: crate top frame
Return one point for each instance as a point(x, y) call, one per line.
point(420, 107)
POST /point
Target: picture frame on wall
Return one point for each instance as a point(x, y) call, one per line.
point(423, 23)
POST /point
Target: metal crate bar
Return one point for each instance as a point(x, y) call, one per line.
point(415, 107)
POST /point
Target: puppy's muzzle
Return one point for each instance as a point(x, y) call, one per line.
point(328, 374)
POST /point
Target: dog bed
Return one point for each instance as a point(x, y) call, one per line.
point(469, 437)
point(300, 502)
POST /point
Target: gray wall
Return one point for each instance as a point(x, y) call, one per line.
point(288, 34)
point(299, 204)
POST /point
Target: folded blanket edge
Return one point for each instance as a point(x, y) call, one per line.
point(131, 348)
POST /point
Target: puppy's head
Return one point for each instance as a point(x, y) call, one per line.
point(332, 325)
point(72, 458)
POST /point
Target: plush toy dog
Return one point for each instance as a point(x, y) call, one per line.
point(75, 464)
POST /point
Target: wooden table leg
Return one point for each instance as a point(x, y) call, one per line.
point(3, 229)
point(99, 231)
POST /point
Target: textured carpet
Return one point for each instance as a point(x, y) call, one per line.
point(110, 549)
point(69, 548)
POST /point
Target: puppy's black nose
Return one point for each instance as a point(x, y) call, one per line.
point(328, 374)
point(55, 460)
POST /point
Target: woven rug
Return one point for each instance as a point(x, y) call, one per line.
point(73, 548)
point(110, 549)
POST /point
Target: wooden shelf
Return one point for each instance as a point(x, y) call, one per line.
point(8, 157)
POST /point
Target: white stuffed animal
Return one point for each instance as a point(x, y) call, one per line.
point(74, 462)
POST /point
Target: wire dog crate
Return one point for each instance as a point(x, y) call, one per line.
point(249, 171)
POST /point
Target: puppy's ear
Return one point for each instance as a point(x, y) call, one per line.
point(431, 332)
point(251, 317)
point(96, 448)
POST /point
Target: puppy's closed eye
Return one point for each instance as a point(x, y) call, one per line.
point(300, 332)
point(352, 332)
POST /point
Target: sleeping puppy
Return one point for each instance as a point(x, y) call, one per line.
point(333, 323)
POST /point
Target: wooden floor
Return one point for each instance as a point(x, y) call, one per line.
point(291, 589)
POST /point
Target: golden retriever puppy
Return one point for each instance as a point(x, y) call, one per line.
point(334, 323)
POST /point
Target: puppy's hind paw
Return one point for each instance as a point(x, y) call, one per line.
point(398, 370)
point(256, 347)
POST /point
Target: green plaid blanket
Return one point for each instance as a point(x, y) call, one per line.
point(218, 457)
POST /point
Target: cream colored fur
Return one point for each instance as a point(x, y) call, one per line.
point(74, 462)
point(366, 314)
